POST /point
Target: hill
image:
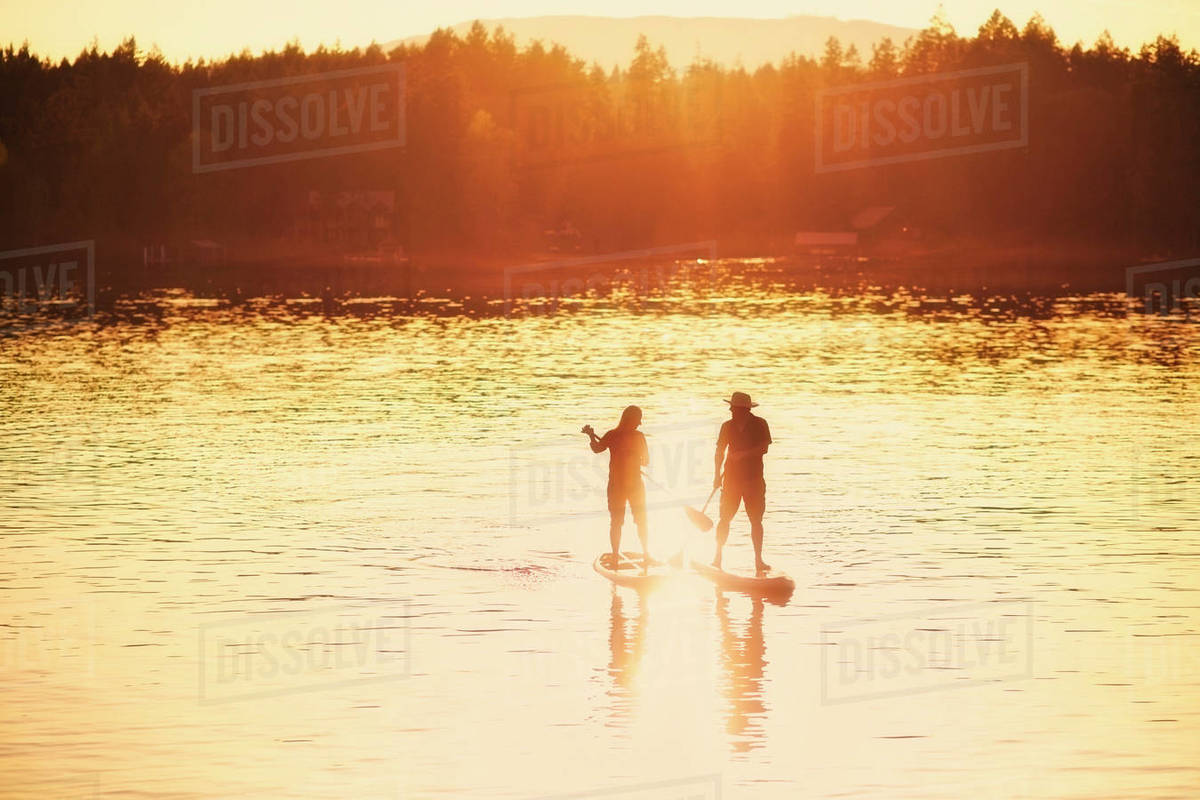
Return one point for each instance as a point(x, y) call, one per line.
point(726, 40)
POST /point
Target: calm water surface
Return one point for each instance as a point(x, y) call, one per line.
point(270, 549)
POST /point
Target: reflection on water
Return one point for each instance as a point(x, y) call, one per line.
point(740, 651)
point(743, 656)
point(987, 505)
point(625, 640)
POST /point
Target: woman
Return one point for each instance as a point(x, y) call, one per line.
point(627, 450)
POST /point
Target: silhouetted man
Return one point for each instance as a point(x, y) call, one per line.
point(627, 454)
point(746, 438)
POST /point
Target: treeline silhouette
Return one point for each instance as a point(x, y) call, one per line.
point(100, 148)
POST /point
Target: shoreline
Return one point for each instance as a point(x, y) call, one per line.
point(949, 269)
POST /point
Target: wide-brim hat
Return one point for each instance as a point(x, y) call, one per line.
point(740, 400)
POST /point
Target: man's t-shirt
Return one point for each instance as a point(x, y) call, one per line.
point(741, 462)
point(627, 452)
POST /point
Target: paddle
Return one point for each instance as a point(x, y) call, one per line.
point(700, 519)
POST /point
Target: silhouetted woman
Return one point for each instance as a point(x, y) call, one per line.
point(627, 450)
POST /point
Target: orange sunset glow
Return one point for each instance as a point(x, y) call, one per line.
point(531, 400)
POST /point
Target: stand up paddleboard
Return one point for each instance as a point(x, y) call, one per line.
point(772, 583)
point(628, 571)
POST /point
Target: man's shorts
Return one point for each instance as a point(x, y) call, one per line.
point(752, 492)
point(632, 493)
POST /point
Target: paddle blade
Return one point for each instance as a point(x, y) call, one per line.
point(698, 519)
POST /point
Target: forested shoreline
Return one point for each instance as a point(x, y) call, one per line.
point(101, 148)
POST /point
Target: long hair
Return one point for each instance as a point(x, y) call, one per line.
point(631, 417)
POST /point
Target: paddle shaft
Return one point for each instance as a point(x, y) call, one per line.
point(677, 559)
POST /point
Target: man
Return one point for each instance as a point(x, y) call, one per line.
point(741, 445)
point(627, 454)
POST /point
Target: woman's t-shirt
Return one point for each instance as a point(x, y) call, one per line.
point(627, 452)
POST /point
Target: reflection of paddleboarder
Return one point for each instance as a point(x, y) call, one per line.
point(627, 454)
point(625, 649)
point(744, 660)
point(741, 445)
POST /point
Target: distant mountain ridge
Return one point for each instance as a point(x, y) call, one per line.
point(726, 40)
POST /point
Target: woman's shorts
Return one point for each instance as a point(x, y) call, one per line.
point(634, 494)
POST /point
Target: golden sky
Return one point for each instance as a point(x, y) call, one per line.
point(215, 28)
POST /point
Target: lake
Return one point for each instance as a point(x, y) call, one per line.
point(297, 547)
